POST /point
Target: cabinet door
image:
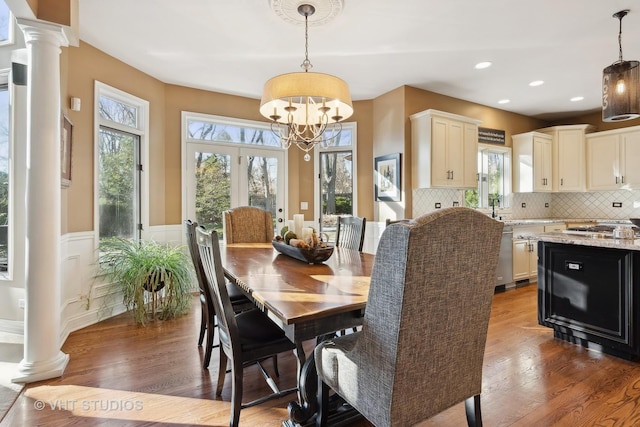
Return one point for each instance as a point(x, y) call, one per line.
point(521, 259)
point(570, 161)
point(541, 164)
point(630, 160)
point(455, 154)
point(602, 162)
point(440, 171)
point(470, 156)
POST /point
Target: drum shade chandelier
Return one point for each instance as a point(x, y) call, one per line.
point(621, 85)
point(306, 108)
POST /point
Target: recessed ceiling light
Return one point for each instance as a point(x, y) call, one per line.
point(504, 101)
point(482, 65)
point(536, 83)
point(577, 98)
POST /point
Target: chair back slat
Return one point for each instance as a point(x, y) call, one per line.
point(350, 234)
point(216, 289)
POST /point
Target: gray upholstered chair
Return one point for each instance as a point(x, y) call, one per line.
point(248, 224)
point(350, 232)
point(422, 342)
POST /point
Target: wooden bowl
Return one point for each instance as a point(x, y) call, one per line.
point(310, 256)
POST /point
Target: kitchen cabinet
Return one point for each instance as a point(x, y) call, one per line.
point(568, 156)
point(532, 162)
point(613, 158)
point(444, 150)
point(525, 252)
point(525, 259)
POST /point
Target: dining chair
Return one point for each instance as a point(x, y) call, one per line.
point(421, 346)
point(238, 299)
point(350, 233)
point(248, 224)
point(245, 338)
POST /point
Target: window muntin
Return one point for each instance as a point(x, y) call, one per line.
point(494, 179)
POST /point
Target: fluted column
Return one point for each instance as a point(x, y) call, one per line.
point(42, 356)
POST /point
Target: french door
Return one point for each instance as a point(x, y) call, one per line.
point(224, 176)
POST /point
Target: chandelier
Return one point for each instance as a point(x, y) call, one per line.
point(306, 108)
point(621, 85)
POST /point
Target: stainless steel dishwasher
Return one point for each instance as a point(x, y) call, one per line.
point(504, 272)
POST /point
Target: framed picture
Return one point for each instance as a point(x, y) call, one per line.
point(66, 143)
point(387, 178)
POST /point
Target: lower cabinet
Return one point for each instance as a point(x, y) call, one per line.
point(525, 259)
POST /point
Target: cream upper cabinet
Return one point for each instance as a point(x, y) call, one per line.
point(568, 156)
point(613, 158)
point(532, 162)
point(444, 150)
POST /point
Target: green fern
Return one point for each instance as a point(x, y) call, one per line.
point(146, 270)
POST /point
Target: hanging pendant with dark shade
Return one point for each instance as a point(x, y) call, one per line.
point(621, 85)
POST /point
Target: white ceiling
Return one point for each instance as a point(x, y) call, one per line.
point(234, 46)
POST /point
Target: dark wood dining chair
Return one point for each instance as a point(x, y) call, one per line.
point(238, 299)
point(245, 338)
point(350, 233)
point(248, 224)
point(422, 343)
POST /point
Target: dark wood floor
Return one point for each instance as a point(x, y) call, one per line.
point(120, 374)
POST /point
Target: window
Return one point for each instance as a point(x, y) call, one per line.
point(228, 163)
point(336, 185)
point(6, 27)
point(494, 179)
point(121, 120)
point(5, 174)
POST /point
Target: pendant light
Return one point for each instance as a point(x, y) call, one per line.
point(306, 108)
point(621, 85)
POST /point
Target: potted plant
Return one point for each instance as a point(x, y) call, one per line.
point(154, 278)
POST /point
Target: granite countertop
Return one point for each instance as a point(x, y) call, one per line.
point(603, 242)
point(543, 221)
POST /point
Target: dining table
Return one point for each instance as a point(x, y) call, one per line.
point(307, 301)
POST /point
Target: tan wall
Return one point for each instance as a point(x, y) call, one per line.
point(85, 65)
point(383, 128)
point(389, 137)
point(58, 11)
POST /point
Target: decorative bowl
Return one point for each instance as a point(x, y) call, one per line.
point(635, 221)
point(310, 256)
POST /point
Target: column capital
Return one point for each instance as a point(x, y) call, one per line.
point(43, 31)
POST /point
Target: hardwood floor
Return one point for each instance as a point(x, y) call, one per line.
point(120, 374)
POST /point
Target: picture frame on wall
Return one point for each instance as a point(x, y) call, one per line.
point(66, 145)
point(387, 178)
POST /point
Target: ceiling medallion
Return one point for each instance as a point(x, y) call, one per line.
point(325, 11)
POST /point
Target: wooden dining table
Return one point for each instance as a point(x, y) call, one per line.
point(307, 301)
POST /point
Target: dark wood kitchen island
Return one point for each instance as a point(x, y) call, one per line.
point(589, 291)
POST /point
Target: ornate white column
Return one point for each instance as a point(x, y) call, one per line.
point(42, 356)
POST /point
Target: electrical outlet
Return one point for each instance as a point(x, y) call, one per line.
point(456, 203)
point(524, 205)
point(617, 204)
point(546, 205)
point(438, 205)
point(21, 303)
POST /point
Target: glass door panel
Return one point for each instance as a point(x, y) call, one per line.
point(336, 189)
point(222, 177)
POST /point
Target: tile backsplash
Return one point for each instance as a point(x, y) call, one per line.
point(596, 205)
